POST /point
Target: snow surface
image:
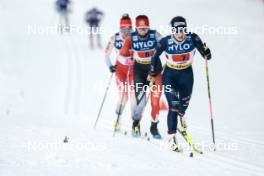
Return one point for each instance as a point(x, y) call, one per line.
point(51, 86)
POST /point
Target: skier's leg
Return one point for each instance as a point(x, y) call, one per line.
point(61, 20)
point(121, 81)
point(91, 36)
point(132, 91)
point(171, 92)
point(172, 119)
point(185, 90)
point(140, 95)
point(140, 84)
point(67, 25)
point(156, 93)
point(99, 44)
point(172, 97)
point(99, 40)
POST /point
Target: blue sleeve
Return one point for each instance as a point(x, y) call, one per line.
point(156, 66)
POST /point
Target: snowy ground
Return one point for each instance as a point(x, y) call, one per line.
point(52, 85)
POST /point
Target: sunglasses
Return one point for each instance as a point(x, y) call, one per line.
point(125, 31)
point(143, 29)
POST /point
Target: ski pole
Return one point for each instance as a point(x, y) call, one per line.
point(102, 104)
point(210, 100)
point(122, 99)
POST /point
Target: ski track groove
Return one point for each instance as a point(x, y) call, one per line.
point(68, 91)
point(241, 141)
point(234, 138)
point(239, 165)
point(230, 163)
point(62, 41)
point(244, 160)
point(211, 156)
point(78, 62)
point(74, 82)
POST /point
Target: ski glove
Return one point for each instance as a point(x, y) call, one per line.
point(152, 71)
point(112, 68)
point(207, 53)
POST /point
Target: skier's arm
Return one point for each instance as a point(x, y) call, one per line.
point(124, 51)
point(155, 60)
point(108, 50)
point(201, 47)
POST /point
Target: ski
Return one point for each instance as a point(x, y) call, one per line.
point(152, 140)
point(146, 137)
point(188, 139)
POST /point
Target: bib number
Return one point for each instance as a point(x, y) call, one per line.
point(181, 58)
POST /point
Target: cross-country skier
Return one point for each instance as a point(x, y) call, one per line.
point(123, 67)
point(93, 18)
point(142, 45)
point(63, 8)
point(179, 48)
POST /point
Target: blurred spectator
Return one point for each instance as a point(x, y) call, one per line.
point(93, 18)
point(63, 8)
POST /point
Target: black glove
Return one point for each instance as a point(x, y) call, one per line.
point(112, 68)
point(207, 52)
point(152, 71)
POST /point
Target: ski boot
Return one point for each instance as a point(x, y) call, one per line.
point(182, 126)
point(173, 144)
point(154, 130)
point(136, 129)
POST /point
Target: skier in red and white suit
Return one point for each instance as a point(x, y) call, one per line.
point(123, 67)
point(141, 44)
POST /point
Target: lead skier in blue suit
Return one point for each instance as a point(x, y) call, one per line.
point(179, 48)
